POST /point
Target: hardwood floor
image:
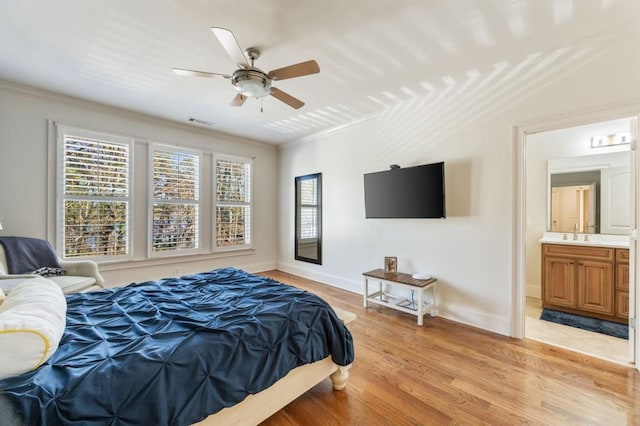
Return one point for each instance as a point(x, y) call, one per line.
point(448, 373)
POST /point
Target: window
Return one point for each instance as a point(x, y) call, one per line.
point(94, 199)
point(308, 231)
point(232, 202)
point(175, 199)
point(94, 183)
point(308, 209)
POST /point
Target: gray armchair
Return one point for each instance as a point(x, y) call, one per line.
point(80, 275)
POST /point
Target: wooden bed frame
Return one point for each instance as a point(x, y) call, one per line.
point(258, 407)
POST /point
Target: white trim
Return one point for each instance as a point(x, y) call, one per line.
point(532, 291)
point(519, 262)
point(354, 286)
point(258, 267)
point(474, 318)
point(500, 324)
point(52, 181)
point(117, 265)
point(634, 266)
point(520, 132)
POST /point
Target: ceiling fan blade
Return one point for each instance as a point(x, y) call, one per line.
point(238, 100)
point(194, 73)
point(297, 70)
point(230, 44)
point(286, 98)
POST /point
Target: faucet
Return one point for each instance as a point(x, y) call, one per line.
point(575, 231)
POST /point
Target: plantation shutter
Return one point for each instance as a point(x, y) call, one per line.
point(175, 200)
point(233, 202)
point(308, 208)
point(95, 197)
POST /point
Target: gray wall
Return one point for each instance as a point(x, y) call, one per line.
point(27, 176)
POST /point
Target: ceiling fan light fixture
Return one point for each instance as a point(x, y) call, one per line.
point(251, 83)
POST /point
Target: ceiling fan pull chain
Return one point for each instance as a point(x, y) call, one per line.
point(261, 105)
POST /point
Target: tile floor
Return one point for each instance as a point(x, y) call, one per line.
point(594, 344)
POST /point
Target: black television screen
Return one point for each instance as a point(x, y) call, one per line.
point(411, 192)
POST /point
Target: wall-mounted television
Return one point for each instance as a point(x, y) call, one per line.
point(410, 192)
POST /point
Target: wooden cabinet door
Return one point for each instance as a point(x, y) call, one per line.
point(595, 286)
point(622, 276)
point(559, 281)
point(622, 304)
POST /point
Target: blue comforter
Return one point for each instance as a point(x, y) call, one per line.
point(174, 351)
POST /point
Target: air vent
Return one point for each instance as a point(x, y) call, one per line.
point(198, 121)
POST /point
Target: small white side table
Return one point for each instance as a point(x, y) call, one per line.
point(399, 279)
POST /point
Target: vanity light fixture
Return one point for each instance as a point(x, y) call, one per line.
point(611, 140)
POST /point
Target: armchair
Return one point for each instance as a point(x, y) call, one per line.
point(80, 275)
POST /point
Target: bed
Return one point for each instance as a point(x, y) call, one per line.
point(211, 346)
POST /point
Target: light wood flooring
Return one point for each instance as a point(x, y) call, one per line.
point(448, 373)
point(595, 344)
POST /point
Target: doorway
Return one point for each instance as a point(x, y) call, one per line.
point(533, 218)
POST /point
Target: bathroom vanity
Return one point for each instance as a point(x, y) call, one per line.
point(589, 278)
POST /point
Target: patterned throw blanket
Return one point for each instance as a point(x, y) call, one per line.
point(173, 351)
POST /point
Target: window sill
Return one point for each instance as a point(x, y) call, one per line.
point(112, 265)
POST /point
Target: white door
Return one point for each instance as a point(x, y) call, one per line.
point(614, 189)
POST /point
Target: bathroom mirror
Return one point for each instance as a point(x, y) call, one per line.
point(308, 232)
point(589, 194)
point(575, 202)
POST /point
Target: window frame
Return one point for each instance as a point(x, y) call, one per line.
point(216, 204)
point(61, 132)
point(298, 240)
point(152, 148)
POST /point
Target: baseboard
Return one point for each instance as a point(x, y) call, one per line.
point(258, 267)
point(121, 274)
point(332, 280)
point(533, 290)
point(471, 317)
point(483, 320)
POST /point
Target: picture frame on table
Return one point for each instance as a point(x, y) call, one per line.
point(391, 264)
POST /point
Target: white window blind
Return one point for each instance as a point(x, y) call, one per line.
point(95, 194)
point(233, 202)
point(308, 209)
point(175, 176)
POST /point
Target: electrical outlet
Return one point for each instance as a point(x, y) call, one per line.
point(176, 271)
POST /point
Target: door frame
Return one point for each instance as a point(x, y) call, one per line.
point(520, 133)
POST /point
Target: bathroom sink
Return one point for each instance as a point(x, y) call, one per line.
point(594, 240)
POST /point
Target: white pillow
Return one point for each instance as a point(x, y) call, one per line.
point(32, 321)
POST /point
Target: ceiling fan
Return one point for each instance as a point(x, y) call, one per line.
point(250, 81)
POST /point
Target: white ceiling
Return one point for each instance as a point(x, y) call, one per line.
point(373, 54)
